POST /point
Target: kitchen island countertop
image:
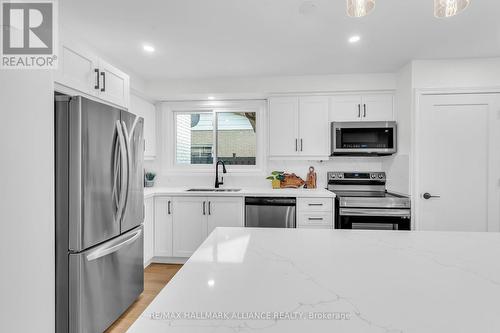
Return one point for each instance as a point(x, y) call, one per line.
point(242, 279)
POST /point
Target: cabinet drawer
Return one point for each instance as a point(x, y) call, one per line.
point(315, 204)
point(324, 220)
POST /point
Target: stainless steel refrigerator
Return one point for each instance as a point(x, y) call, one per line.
point(99, 213)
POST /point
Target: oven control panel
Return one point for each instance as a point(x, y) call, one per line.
point(356, 176)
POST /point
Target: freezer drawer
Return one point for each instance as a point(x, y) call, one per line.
point(104, 281)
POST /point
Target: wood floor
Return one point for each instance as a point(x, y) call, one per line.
point(156, 276)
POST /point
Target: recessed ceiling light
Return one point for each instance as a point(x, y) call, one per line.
point(211, 98)
point(354, 39)
point(148, 48)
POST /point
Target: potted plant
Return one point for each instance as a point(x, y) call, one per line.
point(276, 178)
point(149, 179)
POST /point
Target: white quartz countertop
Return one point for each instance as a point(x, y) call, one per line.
point(244, 192)
point(358, 281)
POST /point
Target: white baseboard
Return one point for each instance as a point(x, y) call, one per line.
point(169, 260)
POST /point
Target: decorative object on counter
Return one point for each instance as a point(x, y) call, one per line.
point(311, 178)
point(276, 178)
point(149, 179)
point(291, 181)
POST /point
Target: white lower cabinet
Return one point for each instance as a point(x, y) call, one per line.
point(148, 230)
point(163, 227)
point(225, 212)
point(189, 224)
point(182, 223)
point(194, 218)
point(315, 213)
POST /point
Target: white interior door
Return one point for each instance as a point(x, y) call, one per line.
point(458, 162)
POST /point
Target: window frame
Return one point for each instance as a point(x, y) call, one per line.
point(169, 111)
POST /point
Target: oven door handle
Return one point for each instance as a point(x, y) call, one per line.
point(375, 212)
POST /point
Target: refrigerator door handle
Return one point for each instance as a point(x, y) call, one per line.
point(128, 157)
point(116, 172)
point(128, 143)
point(124, 171)
point(104, 251)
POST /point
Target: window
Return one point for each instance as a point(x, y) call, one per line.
point(194, 142)
point(236, 138)
point(202, 138)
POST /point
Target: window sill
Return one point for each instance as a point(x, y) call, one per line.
point(211, 172)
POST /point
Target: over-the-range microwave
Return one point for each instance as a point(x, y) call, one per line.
point(364, 138)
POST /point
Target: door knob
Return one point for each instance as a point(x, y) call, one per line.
point(427, 196)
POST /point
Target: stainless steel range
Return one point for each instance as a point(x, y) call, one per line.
point(364, 203)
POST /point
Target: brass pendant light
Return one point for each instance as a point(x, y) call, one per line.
point(359, 8)
point(447, 8)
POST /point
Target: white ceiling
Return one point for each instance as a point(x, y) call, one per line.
point(227, 38)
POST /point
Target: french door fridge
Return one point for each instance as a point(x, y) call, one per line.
point(99, 213)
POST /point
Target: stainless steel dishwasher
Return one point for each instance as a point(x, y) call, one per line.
point(270, 212)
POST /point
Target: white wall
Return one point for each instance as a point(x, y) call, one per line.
point(27, 281)
point(261, 87)
point(457, 73)
point(397, 166)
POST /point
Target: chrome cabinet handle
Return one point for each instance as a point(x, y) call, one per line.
point(168, 208)
point(427, 196)
point(103, 74)
point(315, 219)
point(301, 145)
point(364, 110)
point(98, 82)
point(315, 204)
point(296, 144)
point(204, 213)
point(359, 110)
point(209, 208)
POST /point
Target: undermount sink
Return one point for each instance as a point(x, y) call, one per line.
point(213, 190)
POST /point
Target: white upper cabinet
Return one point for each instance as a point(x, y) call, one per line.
point(369, 107)
point(299, 127)
point(115, 85)
point(146, 110)
point(283, 126)
point(314, 127)
point(78, 70)
point(346, 108)
point(378, 107)
point(82, 71)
